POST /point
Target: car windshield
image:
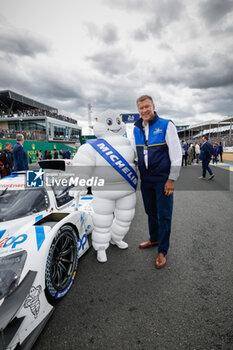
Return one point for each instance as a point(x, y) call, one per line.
point(15, 204)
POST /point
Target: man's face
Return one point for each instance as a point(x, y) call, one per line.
point(146, 109)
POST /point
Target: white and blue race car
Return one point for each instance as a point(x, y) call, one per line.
point(43, 233)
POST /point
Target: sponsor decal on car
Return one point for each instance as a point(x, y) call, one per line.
point(83, 245)
point(40, 236)
point(13, 241)
point(82, 218)
point(3, 240)
point(40, 233)
point(82, 241)
point(32, 301)
point(2, 233)
point(61, 294)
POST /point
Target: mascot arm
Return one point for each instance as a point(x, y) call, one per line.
point(84, 162)
point(85, 156)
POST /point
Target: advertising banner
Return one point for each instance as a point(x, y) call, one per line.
point(228, 149)
point(83, 138)
point(130, 118)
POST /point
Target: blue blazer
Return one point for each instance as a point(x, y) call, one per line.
point(207, 151)
point(20, 157)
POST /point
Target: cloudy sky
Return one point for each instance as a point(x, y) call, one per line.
point(68, 53)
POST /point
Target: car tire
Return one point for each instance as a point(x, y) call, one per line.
point(62, 263)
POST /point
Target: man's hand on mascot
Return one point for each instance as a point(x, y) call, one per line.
point(169, 187)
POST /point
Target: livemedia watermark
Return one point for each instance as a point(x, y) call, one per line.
point(106, 178)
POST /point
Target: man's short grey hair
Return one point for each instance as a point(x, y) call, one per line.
point(19, 137)
point(143, 98)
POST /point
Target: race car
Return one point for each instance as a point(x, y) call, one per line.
point(44, 231)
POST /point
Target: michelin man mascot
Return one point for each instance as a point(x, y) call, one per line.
point(110, 157)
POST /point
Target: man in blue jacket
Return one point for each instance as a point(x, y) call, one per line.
point(159, 161)
point(68, 153)
point(206, 154)
point(19, 154)
point(220, 151)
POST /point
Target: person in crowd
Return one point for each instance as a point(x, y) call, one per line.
point(68, 153)
point(64, 154)
point(37, 156)
point(49, 155)
point(184, 153)
point(159, 161)
point(206, 155)
point(45, 155)
point(220, 151)
point(55, 154)
point(6, 160)
point(194, 153)
point(197, 151)
point(190, 154)
point(40, 155)
point(11, 155)
point(30, 158)
point(19, 154)
point(73, 154)
point(215, 153)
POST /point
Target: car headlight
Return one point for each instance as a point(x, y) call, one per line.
point(11, 267)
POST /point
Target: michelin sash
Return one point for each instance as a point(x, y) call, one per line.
point(116, 160)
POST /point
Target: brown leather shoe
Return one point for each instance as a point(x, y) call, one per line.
point(148, 244)
point(161, 261)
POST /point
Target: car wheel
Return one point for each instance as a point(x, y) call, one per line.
point(62, 263)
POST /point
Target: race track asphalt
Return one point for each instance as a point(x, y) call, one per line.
point(127, 304)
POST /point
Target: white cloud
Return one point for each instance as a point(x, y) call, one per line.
point(108, 34)
point(107, 53)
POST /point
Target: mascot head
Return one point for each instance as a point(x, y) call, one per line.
point(109, 124)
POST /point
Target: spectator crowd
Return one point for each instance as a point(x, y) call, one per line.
point(191, 152)
point(35, 113)
point(28, 135)
point(62, 154)
point(16, 159)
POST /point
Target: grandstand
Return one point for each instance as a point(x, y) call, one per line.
point(44, 129)
point(34, 119)
point(216, 131)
